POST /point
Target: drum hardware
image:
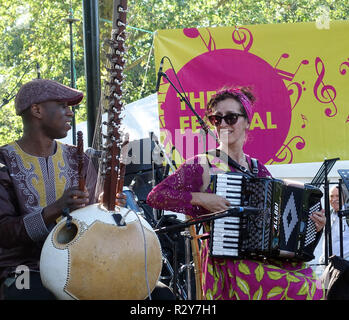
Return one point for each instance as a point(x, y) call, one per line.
point(188, 266)
point(178, 287)
point(173, 240)
point(177, 258)
point(181, 278)
point(177, 268)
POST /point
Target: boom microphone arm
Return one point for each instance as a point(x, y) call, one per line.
point(187, 102)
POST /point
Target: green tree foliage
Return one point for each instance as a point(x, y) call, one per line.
point(33, 31)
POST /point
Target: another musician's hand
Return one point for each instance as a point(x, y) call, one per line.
point(210, 201)
point(120, 200)
point(319, 218)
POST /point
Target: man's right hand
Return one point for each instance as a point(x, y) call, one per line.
point(71, 199)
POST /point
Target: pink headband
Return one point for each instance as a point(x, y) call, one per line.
point(246, 103)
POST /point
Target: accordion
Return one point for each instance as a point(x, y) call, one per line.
point(280, 228)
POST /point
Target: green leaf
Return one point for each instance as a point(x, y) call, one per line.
point(304, 289)
point(222, 277)
point(243, 285)
point(274, 292)
point(259, 272)
point(258, 294)
point(313, 289)
point(231, 292)
point(209, 295)
point(210, 269)
point(274, 275)
point(291, 278)
point(215, 287)
point(243, 268)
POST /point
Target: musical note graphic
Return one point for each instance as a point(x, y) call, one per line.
point(342, 67)
point(327, 92)
point(194, 33)
point(304, 118)
point(289, 76)
point(285, 154)
point(240, 37)
point(285, 74)
point(300, 90)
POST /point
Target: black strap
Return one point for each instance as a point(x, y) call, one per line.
point(254, 163)
point(231, 162)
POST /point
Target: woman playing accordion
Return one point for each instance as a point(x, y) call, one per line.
point(190, 191)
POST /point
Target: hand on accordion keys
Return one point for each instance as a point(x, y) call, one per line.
point(210, 201)
point(319, 218)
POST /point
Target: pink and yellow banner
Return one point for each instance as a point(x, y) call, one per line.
point(299, 74)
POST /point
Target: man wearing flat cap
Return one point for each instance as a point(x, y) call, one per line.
point(39, 181)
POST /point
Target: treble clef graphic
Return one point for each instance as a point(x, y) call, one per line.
point(240, 31)
point(342, 67)
point(328, 92)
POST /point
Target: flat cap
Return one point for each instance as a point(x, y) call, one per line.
point(42, 90)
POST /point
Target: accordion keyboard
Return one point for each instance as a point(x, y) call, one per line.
point(229, 187)
point(226, 235)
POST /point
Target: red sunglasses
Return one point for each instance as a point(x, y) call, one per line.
point(230, 119)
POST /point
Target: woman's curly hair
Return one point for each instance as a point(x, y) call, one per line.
point(228, 92)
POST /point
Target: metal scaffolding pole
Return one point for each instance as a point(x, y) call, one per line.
point(71, 20)
point(92, 65)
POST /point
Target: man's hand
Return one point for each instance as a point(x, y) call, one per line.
point(71, 199)
point(120, 199)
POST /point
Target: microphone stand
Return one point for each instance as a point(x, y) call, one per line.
point(212, 216)
point(155, 211)
point(344, 175)
point(188, 265)
point(184, 225)
point(163, 152)
point(204, 126)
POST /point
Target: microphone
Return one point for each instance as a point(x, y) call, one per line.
point(160, 74)
point(93, 153)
